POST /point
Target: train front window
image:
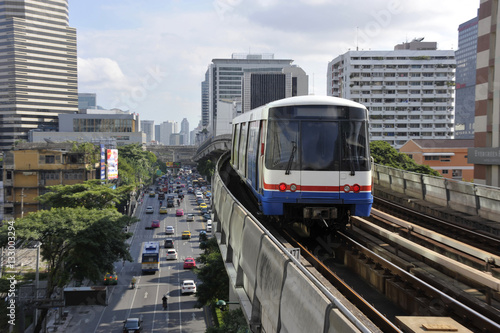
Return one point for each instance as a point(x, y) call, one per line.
point(319, 148)
point(356, 148)
point(281, 152)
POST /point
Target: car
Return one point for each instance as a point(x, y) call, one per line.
point(179, 212)
point(188, 287)
point(203, 205)
point(110, 279)
point(189, 263)
point(209, 225)
point(132, 325)
point(186, 234)
point(169, 230)
point(171, 254)
point(203, 210)
point(169, 243)
point(163, 210)
point(207, 216)
point(155, 224)
point(152, 194)
point(190, 218)
point(150, 210)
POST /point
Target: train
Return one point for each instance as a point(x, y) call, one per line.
point(306, 160)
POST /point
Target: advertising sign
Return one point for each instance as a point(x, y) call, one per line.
point(112, 157)
point(103, 162)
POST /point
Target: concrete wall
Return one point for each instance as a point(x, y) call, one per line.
point(275, 291)
point(468, 198)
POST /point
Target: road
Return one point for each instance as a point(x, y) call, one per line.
point(145, 299)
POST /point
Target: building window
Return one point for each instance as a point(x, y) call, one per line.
point(50, 159)
point(444, 172)
point(8, 175)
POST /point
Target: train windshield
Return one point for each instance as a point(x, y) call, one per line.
point(317, 145)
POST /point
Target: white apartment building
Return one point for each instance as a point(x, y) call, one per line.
point(410, 94)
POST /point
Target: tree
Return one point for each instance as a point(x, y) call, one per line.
point(206, 168)
point(233, 321)
point(77, 243)
point(135, 165)
point(383, 153)
point(213, 274)
point(90, 194)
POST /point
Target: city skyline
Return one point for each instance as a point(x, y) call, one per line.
point(152, 59)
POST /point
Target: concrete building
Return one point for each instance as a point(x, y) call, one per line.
point(38, 66)
point(465, 81)
point(486, 154)
point(185, 131)
point(224, 79)
point(167, 128)
point(446, 156)
point(148, 127)
point(116, 126)
point(409, 93)
point(31, 167)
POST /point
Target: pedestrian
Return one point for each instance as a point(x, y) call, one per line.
point(165, 302)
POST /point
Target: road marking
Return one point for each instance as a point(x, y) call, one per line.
point(146, 294)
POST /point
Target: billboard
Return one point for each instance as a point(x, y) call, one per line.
point(174, 165)
point(112, 158)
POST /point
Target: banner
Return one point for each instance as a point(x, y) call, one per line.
point(103, 162)
point(112, 164)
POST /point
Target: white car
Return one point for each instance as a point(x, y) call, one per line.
point(169, 230)
point(209, 225)
point(190, 218)
point(150, 210)
point(171, 254)
point(188, 287)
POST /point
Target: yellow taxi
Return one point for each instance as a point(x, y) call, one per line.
point(163, 210)
point(152, 194)
point(186, 234)
point(203, 205)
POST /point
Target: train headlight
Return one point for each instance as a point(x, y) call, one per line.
point(282, 187)
point(356, 188)
point(293, 187)
point(347, 188)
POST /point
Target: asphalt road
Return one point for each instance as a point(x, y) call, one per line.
point(145, 300)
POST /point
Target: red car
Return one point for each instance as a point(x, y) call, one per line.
point(189, 263)
point(155, 224)
point(179, 212)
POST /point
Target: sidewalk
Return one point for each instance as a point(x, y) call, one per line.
point(55, 324)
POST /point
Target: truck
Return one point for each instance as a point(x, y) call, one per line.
point(170, 201)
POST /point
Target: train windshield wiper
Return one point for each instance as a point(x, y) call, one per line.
point(290, 161)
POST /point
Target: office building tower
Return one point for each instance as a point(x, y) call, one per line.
point(148, 127)
point(184, 131)
point(205, 101)
point(87, 101)
point(38, 66)
point(167, 128)
point(225, 81)
point(485, 154)
point(409, 93)
point(465, 80)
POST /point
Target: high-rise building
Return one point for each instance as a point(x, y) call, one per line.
point(205, 101)
point(409, 93)
point(225, 80)
point(38, 66)
point(485, 154)
point(148, 127)
point(465, 79)
point(167, 128)
point(184, 131)
point(87, 101)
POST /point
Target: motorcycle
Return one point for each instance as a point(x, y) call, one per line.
point(132, 283)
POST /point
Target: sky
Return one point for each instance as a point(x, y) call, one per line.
point(151, 56)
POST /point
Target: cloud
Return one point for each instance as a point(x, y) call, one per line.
point(102, 72)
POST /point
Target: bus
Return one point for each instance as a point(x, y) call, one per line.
point(151, 257)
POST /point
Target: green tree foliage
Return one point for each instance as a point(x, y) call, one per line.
point(135, 165)
point(89, 194)
point(215, 282)
point(383, 153)
point(77, 243)
point(206, 168)
point(233, 321)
